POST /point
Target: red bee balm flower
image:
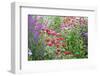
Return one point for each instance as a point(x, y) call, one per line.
point(61, 38)
point(50, 44)
point(67, 52)
point(54, 33)
point(47, 30)
point(55, 41)
point(57, 38)
point(49, 33)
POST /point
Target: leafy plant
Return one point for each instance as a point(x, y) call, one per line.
point(75, 42)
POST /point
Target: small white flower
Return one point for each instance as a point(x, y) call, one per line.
point(29, 52)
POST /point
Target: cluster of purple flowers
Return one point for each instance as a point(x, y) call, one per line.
point(35, 26)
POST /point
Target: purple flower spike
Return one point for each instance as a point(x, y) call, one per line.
point(36, 36)
point(31, 22)
point(35, 27)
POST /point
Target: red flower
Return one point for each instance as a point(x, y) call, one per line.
point(47, 30)
point(61, 38)
point(50, 44)
point(57, 39)
point(49, 33)
point(67, 52)
point(54, 33)
point(56, 42)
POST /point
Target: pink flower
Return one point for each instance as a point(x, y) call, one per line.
point(53, 33)
point(38, 17)
point(67, 52)
point(61, 38)
point(49, 44)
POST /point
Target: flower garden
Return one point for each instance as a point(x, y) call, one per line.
point(57, 37)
